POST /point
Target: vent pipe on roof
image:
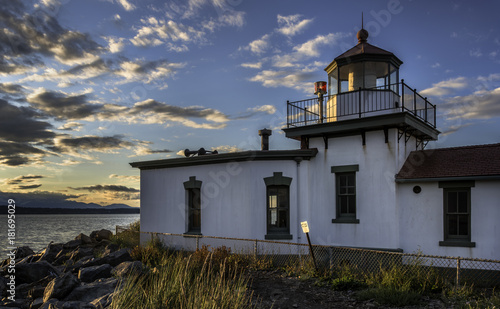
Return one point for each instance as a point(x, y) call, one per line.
point(264, 144)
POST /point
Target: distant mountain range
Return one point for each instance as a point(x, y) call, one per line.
point(42, 202)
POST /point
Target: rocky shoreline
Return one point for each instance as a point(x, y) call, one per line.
point(83, 273)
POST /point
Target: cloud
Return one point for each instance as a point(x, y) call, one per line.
point(299, 80)
point(256, 65)
point(71, 126)
point(125, 178)
point(115, 45)
point(258, 46)
point(155, 32)
point(126, 5)
point(476, 53)
point(435, 65)
point(482, 104)
point(263, 109)
point(151, 111)
point(292, 24)
point(224, 149)
point(90, 143)
point(20, 124)
point(445, 87)
point(9, 88)
point(102, 188)
point(26, 36)
point(23, 179)
point(61, 105)
point(147, 71)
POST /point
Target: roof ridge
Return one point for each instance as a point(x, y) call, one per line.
point(463, 147)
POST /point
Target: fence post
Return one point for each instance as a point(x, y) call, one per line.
point(458, 272)
point(197, 242)
point(255, 248)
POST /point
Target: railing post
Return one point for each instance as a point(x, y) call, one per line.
point(305, 115)
point(415, 101)
point(287, 113)
point(425, 109)
point(359, 99)
point(402, 95)
point(434, 109)
point(458, 272)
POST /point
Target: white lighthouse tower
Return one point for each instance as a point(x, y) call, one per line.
point(364, 128)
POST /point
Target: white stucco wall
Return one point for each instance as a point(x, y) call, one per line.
point(421, 217)
point(375, 190)
point(233, 198)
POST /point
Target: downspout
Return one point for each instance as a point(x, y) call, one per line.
point(298, 160)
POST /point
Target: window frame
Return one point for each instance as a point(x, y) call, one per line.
point(277, 181)
point(456, 240)
point(341, 171)
point(193, 193)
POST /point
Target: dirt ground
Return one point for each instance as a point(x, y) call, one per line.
point(273, 289)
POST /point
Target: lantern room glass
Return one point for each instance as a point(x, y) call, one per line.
point(364, 75)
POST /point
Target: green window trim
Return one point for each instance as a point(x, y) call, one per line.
point(345, 168)
point(193, 205)
point(278, 206)
point(457, 214)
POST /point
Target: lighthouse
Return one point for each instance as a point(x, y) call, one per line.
point(364, 94)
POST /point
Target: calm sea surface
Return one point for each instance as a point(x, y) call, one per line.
point(37, 231)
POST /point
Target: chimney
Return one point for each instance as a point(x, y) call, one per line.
point(264, 144)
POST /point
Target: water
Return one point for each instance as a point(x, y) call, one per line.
point(37, 231)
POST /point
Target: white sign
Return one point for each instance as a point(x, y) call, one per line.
point(305, 227)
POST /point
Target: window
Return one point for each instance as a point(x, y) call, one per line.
point(278, 206)
point(193, 205)
point(457, 214)
point(345, 188)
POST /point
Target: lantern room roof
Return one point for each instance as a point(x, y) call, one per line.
point(364, 51)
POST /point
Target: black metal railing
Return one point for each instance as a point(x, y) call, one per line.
point(361, 103)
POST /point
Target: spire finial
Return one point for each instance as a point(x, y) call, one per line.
point(362, 34)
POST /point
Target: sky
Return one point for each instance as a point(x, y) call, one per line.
point(86, 87)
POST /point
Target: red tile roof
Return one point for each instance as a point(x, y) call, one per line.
point(469, 161)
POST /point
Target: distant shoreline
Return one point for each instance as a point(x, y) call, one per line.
point(74, 211)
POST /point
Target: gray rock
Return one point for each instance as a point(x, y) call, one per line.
point(92, 273)
point(60, 287)
point(77, 305)
point(118, 257)
point(50, 304)
point(31, 272)
point(80, 253)
point(22, 252)
point(37, 303)
point(92, 291)
point(19, 303)
point(103, 301)
point(72, 244)
point(3, 286)
point(84, 239)
point(110, 248)
point(50, 252)
point(128, 268)
point(100, 235)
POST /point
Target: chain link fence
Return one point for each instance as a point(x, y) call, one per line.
point(455, 270)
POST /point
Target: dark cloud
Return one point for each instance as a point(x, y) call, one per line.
point(152, 151)
point(22, 179)
point(27, 187)
point(91, 143)
point(19, 124)
point(185, 112)
point(11, 88)
point(62, 106)
point(26, 34)
point(106, 188)
point(14, 154)
point(14, 160)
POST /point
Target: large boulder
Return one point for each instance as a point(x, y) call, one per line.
point(101, 235)
point(60, 287)
point(31, 272)
point(103, 301)
point(128, 268)
point(80, 253)
point(92, 273)
point(84, 239)
point(50, 252)
point(113, 259)
point(92, 291)
point(22, 252)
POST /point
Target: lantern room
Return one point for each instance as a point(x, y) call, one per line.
point(363, 67)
